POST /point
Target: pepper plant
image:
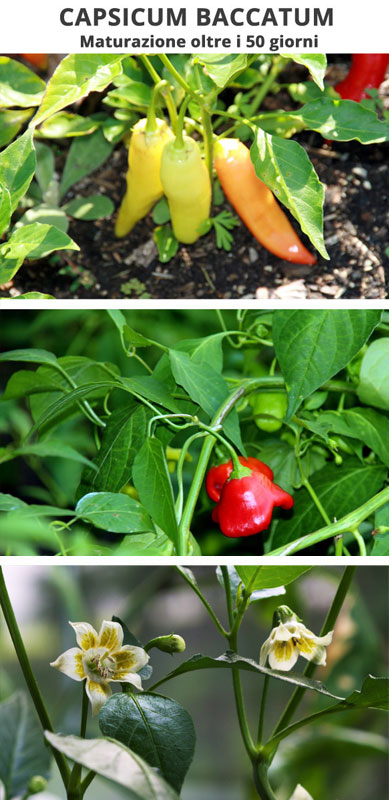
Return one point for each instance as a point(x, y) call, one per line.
point(211, 105)
point(122, 455)
point(147, 739)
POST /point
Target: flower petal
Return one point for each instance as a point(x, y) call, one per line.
point(130, 658)
point(85, 634)
point(265, 650)
point(128, 677)
point(283, 655)
point(282, 633)
point(70, 663)
point(110, 635)
point(98, 694)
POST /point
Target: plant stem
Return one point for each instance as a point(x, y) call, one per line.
point(261, 782)
point(263, 707)
point(170, 104)
point(208, 140)
point(236, 682)
point(74, 787)
point(29, 676)
point(278, 65)
point(360, 541)
point(325, 712)
point(205, 603)
point(344, 525)
point(328, 625)
point(338, 545)
point(176, 75)
point(312, 493)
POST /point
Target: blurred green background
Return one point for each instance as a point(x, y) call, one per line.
point(340, 759)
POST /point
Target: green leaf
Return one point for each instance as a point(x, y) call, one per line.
point(152, 389)
point(316, 63)
point(132, 93)
point(312, 346)
point(96, 206)
point(33, 242)
point(65, 124)
point(145, 544)
point(166, 242)
point(152, 481)
point(32, 354)
point(52, 449)
point(34, 296)
point(222, 67)
point(287, 170)
point(374, 694)
point(86, 154)
point(339, 489)
point(157, 728)
point(17, 167)
point(117, 763)
point(45, 215)
point(75, 77)
point(122, 438)
point(5, 208)
point(45, 166)
point(114, 513)
point(207, 388)
point(256, 578)
point(373, 386)
point(129, 337)
point(19, 85)
point(229, 660)
point(161, 212)
point(11, 122)
point(343, 120)
point(236, 580)
point(10, 503)
point(23, 753)
point(371, 427)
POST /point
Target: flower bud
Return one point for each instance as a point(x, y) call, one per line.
point(171, 643)
point(36, 784)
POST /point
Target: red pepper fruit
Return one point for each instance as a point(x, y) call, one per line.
point(217, 476)
point(39, 60)
point(367, 72)
point(246, 504)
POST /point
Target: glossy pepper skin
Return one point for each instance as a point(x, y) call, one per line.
point(39, 60)
point(144, 187)
point(273, 404)
point(217, 476)
point(246, 504)
point(187, 186)
point(256, 204)
point(367, 72)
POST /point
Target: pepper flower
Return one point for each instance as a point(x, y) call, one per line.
point(101, 658)
point(290, 639)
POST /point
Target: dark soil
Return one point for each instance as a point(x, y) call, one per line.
point(356, 233)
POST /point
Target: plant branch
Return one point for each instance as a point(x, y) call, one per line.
point(28, 674)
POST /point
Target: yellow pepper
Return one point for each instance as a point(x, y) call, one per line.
point(144, 187)
point(187, 186)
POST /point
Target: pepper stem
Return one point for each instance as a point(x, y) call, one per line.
point(152, 124)
point(179, 143)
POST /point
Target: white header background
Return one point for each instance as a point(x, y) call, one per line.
point(34, 26)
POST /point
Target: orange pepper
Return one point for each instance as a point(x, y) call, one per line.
point(256, 204)
point(39, 60)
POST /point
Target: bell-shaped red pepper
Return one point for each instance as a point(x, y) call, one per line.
point(217, 476)
point(246, 503)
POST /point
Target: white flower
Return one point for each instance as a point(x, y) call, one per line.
point(292, 639)
point(101, 658)
point(301, 794)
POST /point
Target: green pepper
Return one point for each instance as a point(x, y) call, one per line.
point(269, 409)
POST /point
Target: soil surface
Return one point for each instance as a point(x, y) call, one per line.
point(356, 224)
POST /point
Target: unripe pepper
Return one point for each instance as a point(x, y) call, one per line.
point(270, 404)
point(187, 186)
point(367, 72)
point(256, 204)
point(217, 476)
point(246, 503)
point(144, 187)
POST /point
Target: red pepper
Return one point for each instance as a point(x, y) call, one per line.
point(39, 60)
point(217, 476)
point(367, 72)
point(246, 503)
